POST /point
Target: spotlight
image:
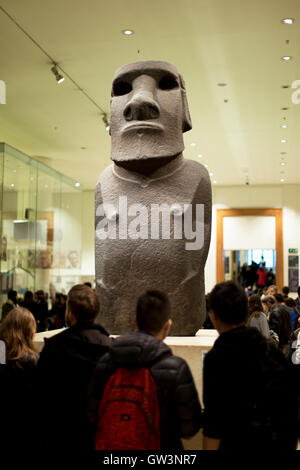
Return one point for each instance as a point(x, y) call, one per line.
point(288, 20)
point(105, 120)
point(58, 76)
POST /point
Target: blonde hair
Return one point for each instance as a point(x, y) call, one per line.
point(17, 331)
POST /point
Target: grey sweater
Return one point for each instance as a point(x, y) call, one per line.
point(261, 323)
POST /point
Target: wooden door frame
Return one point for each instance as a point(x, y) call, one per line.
point(277, 213)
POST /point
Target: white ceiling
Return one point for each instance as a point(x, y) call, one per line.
point(210, 41)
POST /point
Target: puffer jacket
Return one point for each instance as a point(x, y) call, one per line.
point(180, 409)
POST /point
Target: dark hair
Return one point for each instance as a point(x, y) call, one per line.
point(28, 296)
point(298, 291)
point(285, 290)
point(289, 302)
point(229, 302)
point(279, 298)
point(269, 298)
point(152, 311)
point(12, 295)
point(255, 305)
point(83, 303)
point(87, 284)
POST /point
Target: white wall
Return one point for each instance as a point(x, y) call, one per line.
point(224, 197)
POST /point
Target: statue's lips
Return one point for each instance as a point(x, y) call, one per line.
point(143, 126)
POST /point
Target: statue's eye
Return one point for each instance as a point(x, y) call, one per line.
point(121, 88)
point(168, 82)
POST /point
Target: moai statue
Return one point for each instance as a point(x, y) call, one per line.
point(153, 207)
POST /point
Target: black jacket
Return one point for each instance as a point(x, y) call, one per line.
point(180, 409)
point(64, 372)
point(17, 404)
point(233, 380)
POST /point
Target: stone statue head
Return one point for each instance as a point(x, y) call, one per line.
point(149, 112)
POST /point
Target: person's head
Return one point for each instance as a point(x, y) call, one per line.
point(44, 259)
point(83, 305)
point(28, 297)
point(269, 301)
point(153, 313)
point(272, 290)
point(228, 305)
point(17, 331)
point(73, 259)
point(279, 298)
point(255, 304)
point(285, 291)
point(289, 302)
point(40, 294)
point(12, 295)
point(149, 111)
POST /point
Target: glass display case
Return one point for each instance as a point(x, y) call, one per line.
point(40, 226)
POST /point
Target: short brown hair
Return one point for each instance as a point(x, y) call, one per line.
point(83, 303)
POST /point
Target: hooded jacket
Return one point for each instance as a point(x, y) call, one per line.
point(180, 409)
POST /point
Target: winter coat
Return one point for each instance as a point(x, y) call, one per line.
point(180, 409)
point(231, 383)
point(64, 372)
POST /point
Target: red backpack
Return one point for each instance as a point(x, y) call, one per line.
point(129, 416)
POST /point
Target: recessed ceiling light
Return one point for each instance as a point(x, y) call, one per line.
point(12, 185)
point(288, 20)
point(286, 58)
point(14, 171)
point(215, 182)
point(283, 141)
point(205, 164)
point(46, 186)
point(77, 185)
point(282, 163)
point(107, 128)
point(282, 180)
point(284, 126)
point(127, 32)
point(199, 156)
point(193, 144)
point(211, 174)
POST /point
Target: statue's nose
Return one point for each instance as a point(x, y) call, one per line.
point(141, 108)
point(142, 105)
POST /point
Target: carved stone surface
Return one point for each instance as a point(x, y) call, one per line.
point(149, 175)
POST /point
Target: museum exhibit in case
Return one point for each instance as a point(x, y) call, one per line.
point(40, 226)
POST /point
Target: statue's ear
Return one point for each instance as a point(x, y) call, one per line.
point(186, 118)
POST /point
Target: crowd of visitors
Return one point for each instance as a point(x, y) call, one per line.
point(132, 392)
